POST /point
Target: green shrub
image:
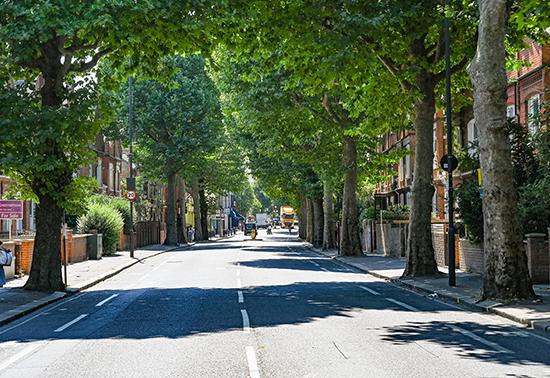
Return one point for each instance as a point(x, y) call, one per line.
point(106, 220)
point(534, 206)
point(368, 213)
point(470, 209)
point(123, 207)
point(397, 212)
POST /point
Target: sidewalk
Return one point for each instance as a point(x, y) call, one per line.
point(467, 291)
point(16, 301)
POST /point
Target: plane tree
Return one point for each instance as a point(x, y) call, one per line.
point(59, 41)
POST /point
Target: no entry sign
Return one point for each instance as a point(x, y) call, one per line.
point(11, 209)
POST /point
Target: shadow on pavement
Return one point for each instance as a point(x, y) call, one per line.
point(182, 312)
point(292, 264)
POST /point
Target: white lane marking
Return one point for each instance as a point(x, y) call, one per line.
point(239, 283)
point(238, 273)
point(373, 292)
point(313, 262)
point(404, 305)
point(28, 350)
point(480, 339)
point(158, 266)
point(252, 363)
point(324, 269)
point(241, 297)
point(67, 325)
point(246, 321)
point(106, 300)
point(41, 313)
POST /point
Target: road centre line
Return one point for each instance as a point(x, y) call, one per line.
point(480, 339)
point(404, 305)
point(239, 283)
point(16, 357)
point(67, 325)
point(246, 321)
point(238, 273)
point(373, 292)
point(106, 300)
point(324, 269)
point(240, 295)
point(314, 263)
point(41, 313)
point(252, 363)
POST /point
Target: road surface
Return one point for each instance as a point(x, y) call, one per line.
point(263, 308)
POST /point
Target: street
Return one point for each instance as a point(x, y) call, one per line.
point(268, 307)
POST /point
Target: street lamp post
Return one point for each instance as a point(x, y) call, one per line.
point(131, 182)
point(450, 157)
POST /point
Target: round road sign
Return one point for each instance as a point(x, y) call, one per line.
point(444, 163)
point(131, 195)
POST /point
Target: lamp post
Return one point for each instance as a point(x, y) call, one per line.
point(450, 157)
point(131, 183)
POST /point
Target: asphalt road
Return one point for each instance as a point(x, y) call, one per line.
point(263, 308)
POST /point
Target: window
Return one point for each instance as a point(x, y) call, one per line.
point(111, 176)
point(408, 162)
point(533, 114)
point(99, 173)
point(511, 111)
point(472, 138)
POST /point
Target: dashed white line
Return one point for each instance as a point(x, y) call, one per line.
point(67, 325)
point(41, 313)
point(252, 363)
point(313, 262)
point(480, 339)
point(106, 300)
point(238, 273)
point(241, 297)
point(373, 292)
point(324, 269)
point(28, 350)
point(404, 305)
point(239, 283)
point(246, 321)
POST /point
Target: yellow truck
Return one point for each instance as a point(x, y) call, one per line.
point(287, 217)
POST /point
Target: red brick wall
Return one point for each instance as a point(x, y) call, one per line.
point(78, 249)
point(27, 247)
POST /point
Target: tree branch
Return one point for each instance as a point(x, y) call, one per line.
point(85, 66)
point(454, 69)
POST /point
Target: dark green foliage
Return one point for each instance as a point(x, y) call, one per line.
point(524, 160)
point(534, 206)
point(106, 221)
point(396, 212)
point(470, 209)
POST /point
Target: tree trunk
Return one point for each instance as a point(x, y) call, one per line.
point(45, 274)
point(318, 221)
point(349, 238)
point(171, 216)
point(420, 254)
point(182, 234)
point(204, 214)
point(328, 213)
point(197, 210)
point(302, 211)
point(506, 273)
point(309, 220)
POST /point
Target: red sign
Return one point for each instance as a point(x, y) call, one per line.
point(11, 209)
point(131, 195)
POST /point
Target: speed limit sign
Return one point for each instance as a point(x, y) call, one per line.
point(131, 195)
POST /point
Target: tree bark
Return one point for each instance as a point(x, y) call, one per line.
point(420, 254)
point(197, 210)
point(45, 274)
point(349, 238)
point(182, 234)
point(309, 220)
point(318, 221)
point(328, 213)
point(506, 274)
point(204, 214)
point(302, 211)
point(171, 216)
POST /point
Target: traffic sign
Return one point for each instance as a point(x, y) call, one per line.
point(444, 162)
point(131, 195)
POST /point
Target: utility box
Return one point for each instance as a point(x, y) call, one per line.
point(94, 246)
